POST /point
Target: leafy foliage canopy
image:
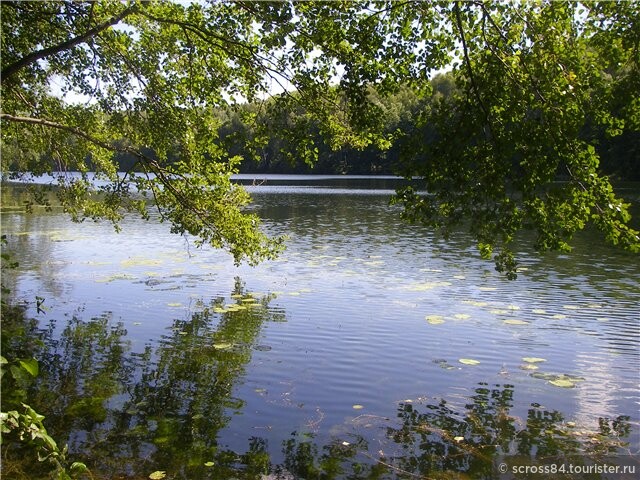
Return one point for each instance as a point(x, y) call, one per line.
point(536, 85)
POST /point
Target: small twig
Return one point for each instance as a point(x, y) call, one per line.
point(313, 424)
point(365, 415)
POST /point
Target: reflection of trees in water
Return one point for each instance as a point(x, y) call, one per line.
point(443, 439)
point(435, 441)
point(32, 243)
point(129, 414)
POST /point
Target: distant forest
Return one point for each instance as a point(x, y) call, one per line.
point(404, 116)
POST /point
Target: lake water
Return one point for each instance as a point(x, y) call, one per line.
point(370, 349)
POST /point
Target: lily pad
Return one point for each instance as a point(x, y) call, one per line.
point(475, 303)
point(138, 262)
point(562, 383)
point(539, 311)
point(435, 319)
point(533, 359)
point(374, 263)
point(469, 361)
point(158, 475)
point(423, 287)
point(528, 366)
point(357, 406)
point(515, 322)
point(544, 376)
point(118, 276)
point(222, 346)
point(175, 304)
point(236, 308)
point(571, 378)
point(462, 316)
point(209, 464)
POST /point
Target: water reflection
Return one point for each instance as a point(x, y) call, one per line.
point(168, 365)
point(127, 414)
point(165, 405)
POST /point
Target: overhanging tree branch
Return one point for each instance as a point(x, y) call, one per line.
point(33, 57)
point(67, 128)
point(146, 161)
point(467, 62)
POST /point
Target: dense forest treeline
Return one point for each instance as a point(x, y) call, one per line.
point(404, 118)
point(262, 135)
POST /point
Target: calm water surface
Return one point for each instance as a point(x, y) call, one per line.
point(344, 354)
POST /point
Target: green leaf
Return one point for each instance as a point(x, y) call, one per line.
point(31, 366)
point(49, 441)
point(158, 475)
point(78, 467)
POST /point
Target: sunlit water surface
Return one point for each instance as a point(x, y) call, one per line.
point(361, 317)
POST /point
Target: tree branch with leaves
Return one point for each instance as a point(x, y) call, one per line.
point(548, 79)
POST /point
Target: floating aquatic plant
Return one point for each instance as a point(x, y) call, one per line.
point(528, 366)
point(469, 361)
point(434, 319)
point(515, 322)
point(562, 382)
point(533, 359)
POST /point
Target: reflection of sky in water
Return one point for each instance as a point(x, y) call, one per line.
point(355, 287)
